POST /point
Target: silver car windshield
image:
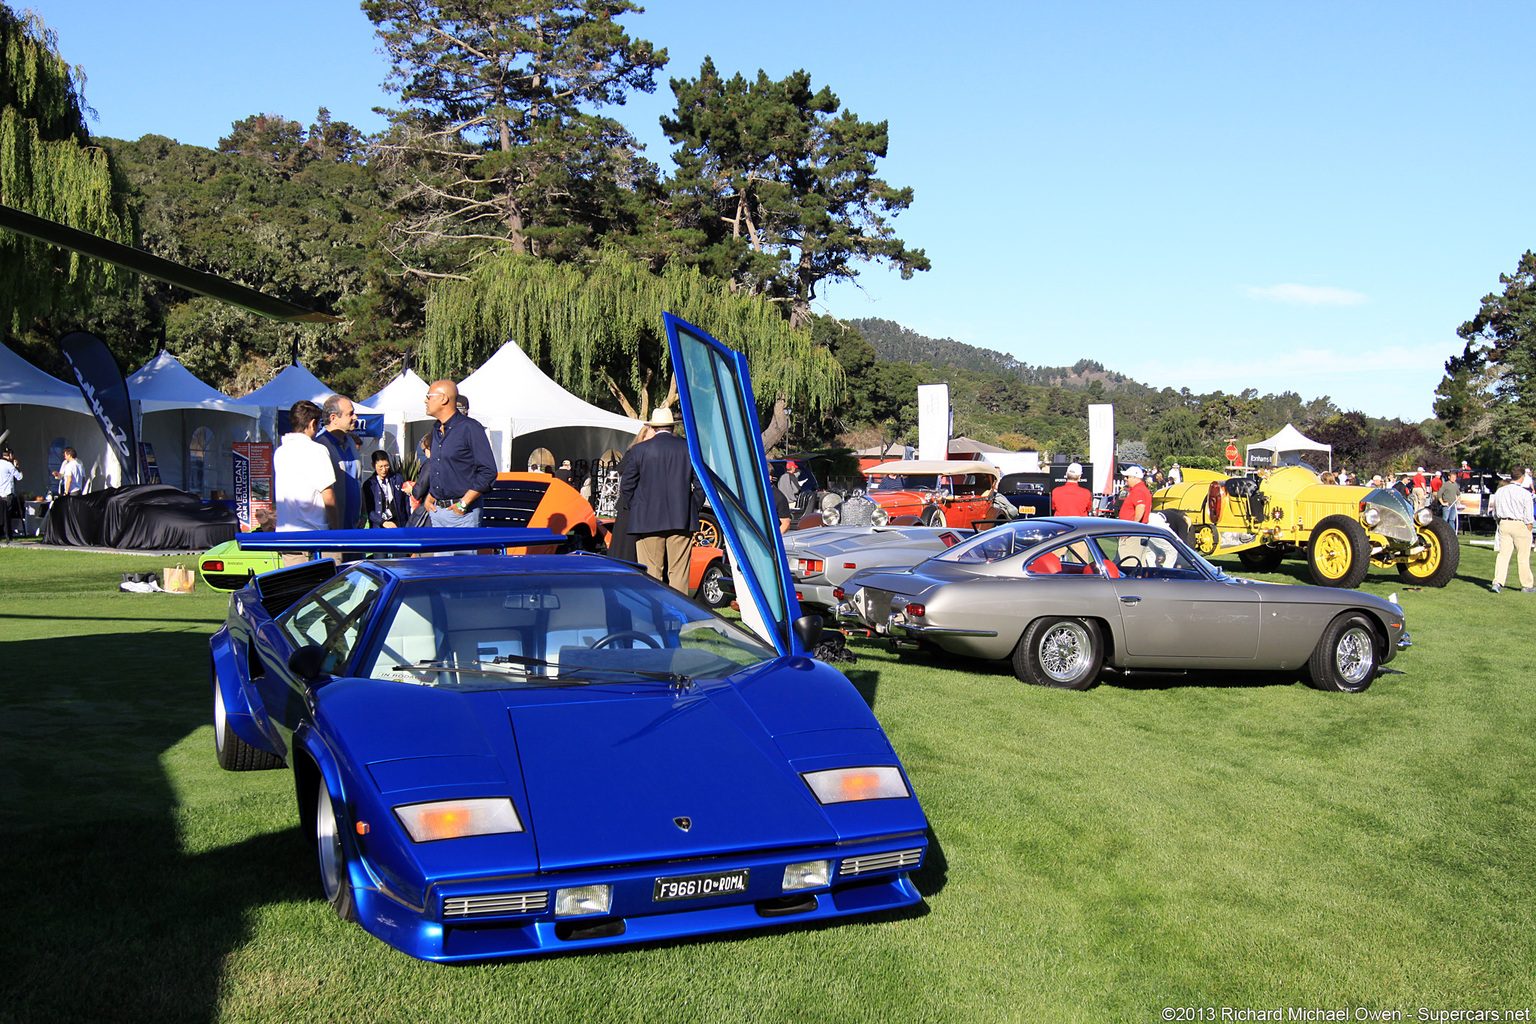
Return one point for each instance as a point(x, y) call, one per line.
point(1002, 542)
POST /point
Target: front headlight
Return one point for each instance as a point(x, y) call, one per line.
point(1371, 517)
point(583, 899)
point(845, 785)
point(451, 819)
point(1425, 517)
point(807, 874)
point(880, 517)
point(831, 517)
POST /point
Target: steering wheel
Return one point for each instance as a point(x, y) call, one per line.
point(1130, 562)
point(628, 634)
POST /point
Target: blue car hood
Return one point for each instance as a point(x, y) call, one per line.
point(607, 779)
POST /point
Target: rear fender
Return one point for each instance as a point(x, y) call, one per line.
point(227, 672)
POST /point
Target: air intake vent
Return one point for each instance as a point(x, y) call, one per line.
point(497, 904)
point(877, 862)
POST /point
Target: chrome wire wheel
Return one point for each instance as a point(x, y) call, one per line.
point(1355, 655)
point(1065, 651)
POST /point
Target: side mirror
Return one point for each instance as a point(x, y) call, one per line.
point(808, 629)
point(308, 662)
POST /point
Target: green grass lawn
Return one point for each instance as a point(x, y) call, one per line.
point(1200, 842)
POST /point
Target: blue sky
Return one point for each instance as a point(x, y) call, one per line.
point(1299, 196)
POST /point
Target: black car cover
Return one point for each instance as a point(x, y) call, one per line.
point(144, 517)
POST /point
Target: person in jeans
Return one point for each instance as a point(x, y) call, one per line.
point(462, 467)
point(1511, 506)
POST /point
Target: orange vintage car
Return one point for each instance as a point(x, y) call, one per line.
point(933, 493)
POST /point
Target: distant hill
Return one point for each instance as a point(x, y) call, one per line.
point(894, 343)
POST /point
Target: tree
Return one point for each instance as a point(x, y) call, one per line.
point(496, 140)
point(288, 146)
point(597, 327)
point(1501, 341)
point(780, 187)
point(1175, 435)
point(49, 167)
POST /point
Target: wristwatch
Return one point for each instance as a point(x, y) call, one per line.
point(458, 506)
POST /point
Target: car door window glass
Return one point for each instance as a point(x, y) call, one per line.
point(1074, 559)
point(333, 617)
point(1140, 556)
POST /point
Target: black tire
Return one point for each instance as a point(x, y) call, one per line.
point(1261, 559)
point(1202, 537)
point(934, 516)
point(1339, 553)
point(1060, 652)
point(1178, 522)
point(710, 590)
point(331, 851)
point(233, 753)
point(707, 533)
point(1347, 657)
point(1441, 558)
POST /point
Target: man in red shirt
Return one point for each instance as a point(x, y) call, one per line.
point(1138, 498)
point(1072, 498)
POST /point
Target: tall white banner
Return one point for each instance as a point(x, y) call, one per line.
point(933, 421)
point(1101, 447)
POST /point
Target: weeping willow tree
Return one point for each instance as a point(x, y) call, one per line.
point(49, 168)
point(598, 328)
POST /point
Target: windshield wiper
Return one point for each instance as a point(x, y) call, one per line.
point(677, 679)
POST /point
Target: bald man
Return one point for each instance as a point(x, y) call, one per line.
point(462, 467)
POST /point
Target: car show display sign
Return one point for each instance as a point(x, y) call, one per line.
point(933, 415)
point(1101, 448)
point(106, 393)
point(253, 480)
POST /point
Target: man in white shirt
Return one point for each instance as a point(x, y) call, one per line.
point(10, 507)
point(304, 488)
point(1511, 505)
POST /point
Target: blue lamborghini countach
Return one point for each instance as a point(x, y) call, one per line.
point(501, 755)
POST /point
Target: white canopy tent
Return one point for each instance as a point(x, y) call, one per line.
point(43, 415)
point(402, 404)
point(1286, 448)
point(293, 384)
point(523, 410)
point(190, 424)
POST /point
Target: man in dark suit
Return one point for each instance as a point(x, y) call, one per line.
point(658, 485)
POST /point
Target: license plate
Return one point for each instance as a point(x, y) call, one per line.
point(692, 887)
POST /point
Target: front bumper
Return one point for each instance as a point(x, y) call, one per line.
point(865, 877)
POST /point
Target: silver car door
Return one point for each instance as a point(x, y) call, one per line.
point(1169, 607)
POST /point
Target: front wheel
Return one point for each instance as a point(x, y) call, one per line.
point(1063, 653)
point(335, 882)
point(1345, 659)
point(1202, 538)
point(1261, 559)
point(1339, 554)
point(934, 516)
point(711, 591)
point(1437, 563)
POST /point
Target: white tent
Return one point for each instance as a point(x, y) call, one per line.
point(292, 384)
point(1286, 448)
point(190, 425)
point(43, 414)
point(523, 410)
point(402, 404)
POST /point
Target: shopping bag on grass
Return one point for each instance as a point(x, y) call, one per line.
point(177, 580)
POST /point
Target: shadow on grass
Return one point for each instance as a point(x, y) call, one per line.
point(109, 918)
point(866, 681)
point(1212, 679)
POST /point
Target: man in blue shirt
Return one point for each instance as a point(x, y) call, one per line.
point(462, 466)
point(340, 420)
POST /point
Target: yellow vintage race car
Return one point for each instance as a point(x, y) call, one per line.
point(1341, 531)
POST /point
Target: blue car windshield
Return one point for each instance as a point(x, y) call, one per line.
point(514, 630)
point(1002, 542)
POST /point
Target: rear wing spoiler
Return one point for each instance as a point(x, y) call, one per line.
point(403, 541)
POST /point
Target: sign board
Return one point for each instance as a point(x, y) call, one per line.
point(933, 421)
point(253, 481)
point(1101, 448)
